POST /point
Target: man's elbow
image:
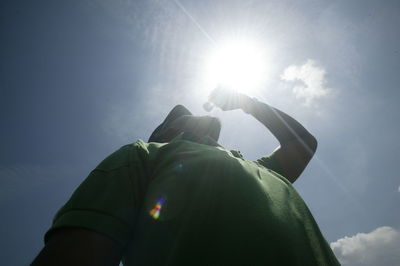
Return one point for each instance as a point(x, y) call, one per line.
point(312, 144)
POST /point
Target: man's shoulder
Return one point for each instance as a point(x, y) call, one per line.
point(127, 154)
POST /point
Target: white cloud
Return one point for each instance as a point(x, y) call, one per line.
point(398, 189)
point(379, 247)
point(312, 78)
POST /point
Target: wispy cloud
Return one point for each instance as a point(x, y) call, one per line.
point(312, 81)
point(379, 247)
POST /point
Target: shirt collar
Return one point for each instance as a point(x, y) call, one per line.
point(204, 140)
point(207, 140)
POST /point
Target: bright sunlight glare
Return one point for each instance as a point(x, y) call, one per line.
point(237, 64)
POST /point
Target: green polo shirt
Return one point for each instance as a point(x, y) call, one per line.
point(190, 203)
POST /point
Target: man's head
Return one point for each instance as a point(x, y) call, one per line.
point(181, 120)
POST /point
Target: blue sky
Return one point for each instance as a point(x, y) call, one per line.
point(78, 79)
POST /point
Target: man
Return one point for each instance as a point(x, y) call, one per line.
point(182, 199)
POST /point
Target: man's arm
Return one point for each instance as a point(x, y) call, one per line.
point(97, 222)
point(76, 246)
point(297, 145)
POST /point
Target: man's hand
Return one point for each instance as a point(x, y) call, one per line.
point(228, 99)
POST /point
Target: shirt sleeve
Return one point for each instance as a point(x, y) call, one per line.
point(107, 201)
point(271, 162)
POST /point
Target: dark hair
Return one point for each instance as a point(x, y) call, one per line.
point(208, 125)
point(176, 112)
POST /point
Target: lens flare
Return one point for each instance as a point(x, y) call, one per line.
point(155, 212)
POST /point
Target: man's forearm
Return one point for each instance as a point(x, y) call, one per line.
point(297, 145)
point(281, 125)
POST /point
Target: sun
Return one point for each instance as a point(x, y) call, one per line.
point(237, 64)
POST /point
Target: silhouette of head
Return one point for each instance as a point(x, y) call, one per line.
point(180, 119)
